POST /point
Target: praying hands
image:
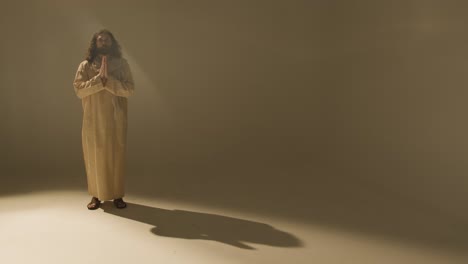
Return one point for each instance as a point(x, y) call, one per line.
point(103, 70)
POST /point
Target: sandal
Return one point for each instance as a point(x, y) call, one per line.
point(94, 204)
point(119, 203)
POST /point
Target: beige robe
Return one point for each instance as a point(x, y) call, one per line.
point(104, 128)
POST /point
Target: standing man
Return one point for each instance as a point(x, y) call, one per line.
point(103, 82)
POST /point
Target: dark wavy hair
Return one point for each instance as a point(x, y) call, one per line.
point(92, 50)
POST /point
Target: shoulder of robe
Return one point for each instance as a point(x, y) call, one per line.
point(83, 64)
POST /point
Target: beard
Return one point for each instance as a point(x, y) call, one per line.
point(103, 50)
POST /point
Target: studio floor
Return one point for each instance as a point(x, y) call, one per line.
point(56, 227)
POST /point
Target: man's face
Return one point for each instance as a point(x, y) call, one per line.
point(103, 43)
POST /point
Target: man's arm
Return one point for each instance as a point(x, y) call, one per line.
point(124, 87)
point(83, 86)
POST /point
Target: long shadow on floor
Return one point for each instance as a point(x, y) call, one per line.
point(194, 225)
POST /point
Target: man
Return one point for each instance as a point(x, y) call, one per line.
point(104, 82)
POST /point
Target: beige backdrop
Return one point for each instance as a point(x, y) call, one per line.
point(350, 114)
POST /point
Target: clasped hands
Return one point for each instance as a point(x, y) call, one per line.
point(103, 71)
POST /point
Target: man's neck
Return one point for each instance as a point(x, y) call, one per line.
point(100, 56)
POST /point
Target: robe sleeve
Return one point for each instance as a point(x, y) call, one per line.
point(84, 86)
point(121, 87)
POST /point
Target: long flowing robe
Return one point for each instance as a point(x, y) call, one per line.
point(104, 128)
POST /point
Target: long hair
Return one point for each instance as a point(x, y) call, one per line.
point(92, 50)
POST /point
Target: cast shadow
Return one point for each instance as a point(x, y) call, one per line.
point(193, 225)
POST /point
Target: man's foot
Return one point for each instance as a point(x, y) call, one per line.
point(94, 204)
point(119, 203)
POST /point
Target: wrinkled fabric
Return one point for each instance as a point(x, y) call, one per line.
point(104, 127)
